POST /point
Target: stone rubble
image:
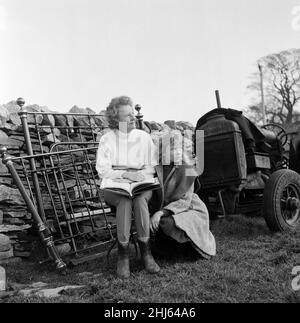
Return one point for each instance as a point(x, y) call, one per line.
point(47, 292)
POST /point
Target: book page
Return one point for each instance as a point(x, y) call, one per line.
point(109, 183)
point(117, 187)
point(148, 181)
point(144, 186)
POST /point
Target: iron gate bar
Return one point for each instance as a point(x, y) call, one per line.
point(63, 206)
point(25, 173)
point(89, 172)
point(89, 162)
point(43, 230)
point(69, 217)
point(72, 217)
point(23, 116)
point(67, 194)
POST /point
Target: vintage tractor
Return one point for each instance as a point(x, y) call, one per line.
point(249, 170)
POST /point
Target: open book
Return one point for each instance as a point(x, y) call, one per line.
point(129, 189)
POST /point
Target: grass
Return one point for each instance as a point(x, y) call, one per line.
point(252, 265)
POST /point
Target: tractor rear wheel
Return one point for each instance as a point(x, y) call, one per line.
point(281, 200)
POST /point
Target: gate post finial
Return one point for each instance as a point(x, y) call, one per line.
point(139, 116)
point(20, 102)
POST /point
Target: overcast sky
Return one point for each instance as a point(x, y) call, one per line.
point(168, 55)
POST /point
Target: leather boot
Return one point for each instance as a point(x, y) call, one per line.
point(150, 264)
point(123, 270)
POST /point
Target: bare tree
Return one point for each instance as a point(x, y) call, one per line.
point(281, 73)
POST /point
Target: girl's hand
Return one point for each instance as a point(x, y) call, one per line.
point(134, 176)
point(154, 220)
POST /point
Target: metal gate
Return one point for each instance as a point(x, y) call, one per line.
point(60, 184)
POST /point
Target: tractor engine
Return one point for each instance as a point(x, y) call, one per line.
point(236, 157)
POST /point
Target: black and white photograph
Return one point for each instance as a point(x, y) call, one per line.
point(149, 154)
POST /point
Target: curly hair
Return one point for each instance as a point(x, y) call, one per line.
point(112, 110)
